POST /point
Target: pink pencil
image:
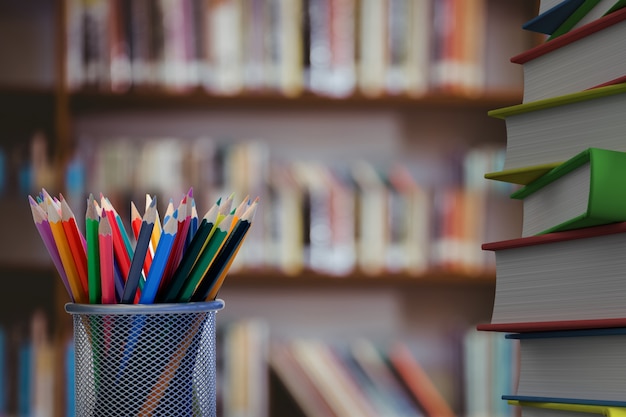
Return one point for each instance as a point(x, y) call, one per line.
point(43, 227)
point(107, 274)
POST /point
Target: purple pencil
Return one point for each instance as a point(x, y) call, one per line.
point(43, 227)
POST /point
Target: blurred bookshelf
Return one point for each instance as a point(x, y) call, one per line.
point(62, 114)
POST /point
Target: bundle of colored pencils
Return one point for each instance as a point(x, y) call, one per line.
point(179, 259)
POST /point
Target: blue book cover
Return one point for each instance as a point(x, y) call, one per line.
point(603, 360)
point(609, 331)
point(550, 20)
point(564, 400)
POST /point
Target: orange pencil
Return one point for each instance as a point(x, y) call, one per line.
point(73, 279)
point(76, 242)
point(241, 208)
point(156, 231)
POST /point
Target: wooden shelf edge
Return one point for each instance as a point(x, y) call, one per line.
point(92, 100)
point(272, 279)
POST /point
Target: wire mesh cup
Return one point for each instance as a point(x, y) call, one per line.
point(145, 360)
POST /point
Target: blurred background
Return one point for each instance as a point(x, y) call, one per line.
point(362, 126)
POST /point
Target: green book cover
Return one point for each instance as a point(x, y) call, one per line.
point(620, 4)
point(580, 13)
point(606, 196)
point(574, 18)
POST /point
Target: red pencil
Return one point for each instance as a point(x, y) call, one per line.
point(184, 218)
point(136, 221)
point(76, 242)
point(107, 274)
point(119, 248)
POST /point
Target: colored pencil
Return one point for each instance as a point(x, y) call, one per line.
point(197, 245)
point(76, 242)
point(188, 262)
point(241, 209)
point(184, 219)
point(214, 277)
point(156, 231)
point(153, 280)
point(92, 220)
point(225, 208)
point(206, 258)
point(169, 211)
point(107, 263)
point(40, 218)
point(125, 238)
point(119, 248)
point(248, 216)
point(136, 222)
point(193, 225)
point(140, 253)
point(73, 279)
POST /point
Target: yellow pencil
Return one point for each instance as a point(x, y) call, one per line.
point(156, 231)
point(65, 253)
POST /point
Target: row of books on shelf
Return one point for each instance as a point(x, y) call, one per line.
point(322, 217)
point(357, 377)
point(31, 367)
point(362, 377)
point(331, 47)
point(559, 287)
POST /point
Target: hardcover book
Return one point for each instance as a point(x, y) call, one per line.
point(589, 11)
point(554, 130)
point(549, 20)
point(581, 367)
point(587, 190)
point(578, 274)
point(541, 409)
point(579, 60)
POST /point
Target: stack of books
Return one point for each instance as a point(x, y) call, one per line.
point(560, 287)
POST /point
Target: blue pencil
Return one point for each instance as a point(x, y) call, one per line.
point(153, 280)
point(141, 248)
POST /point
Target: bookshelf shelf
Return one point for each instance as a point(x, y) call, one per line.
point(436, 278)
point(85, 101)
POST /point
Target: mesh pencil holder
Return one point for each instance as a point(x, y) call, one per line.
point(145, 360)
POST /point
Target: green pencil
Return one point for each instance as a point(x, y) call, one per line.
point(93, 254)
point(190, 257)
point(205, 258)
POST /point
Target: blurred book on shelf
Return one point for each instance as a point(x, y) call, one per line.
point(330, 219)
point(490, 370)
point(329, 47)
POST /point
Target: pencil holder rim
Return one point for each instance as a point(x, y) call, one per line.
point(159, 308)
